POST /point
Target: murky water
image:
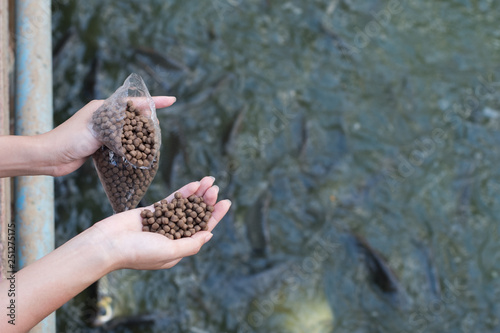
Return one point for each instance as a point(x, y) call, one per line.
point(358, 143)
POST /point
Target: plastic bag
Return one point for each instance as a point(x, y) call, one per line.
point(127, 125)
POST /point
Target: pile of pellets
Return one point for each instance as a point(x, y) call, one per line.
point(179, 218)
point(126, 176)
point(138, 138)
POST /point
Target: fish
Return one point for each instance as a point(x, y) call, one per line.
point(197, 96)
point(229, 135)
point(64, 42)
point(361, 287)
point(163, 73)
point(256, 224)
point(344, 48)
point(463, 185)
point(117, 305)
point(159, 81)
point(380, 273)
point(172, 147)
point(233, 292)
point(304, 138)
point(115, 297)
point(158, 58)
point(90, 85)
point(430, 270)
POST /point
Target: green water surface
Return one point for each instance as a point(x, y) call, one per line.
point(322, 121)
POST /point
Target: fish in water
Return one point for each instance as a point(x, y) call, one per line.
point(118, 304)
point(232, 130)
point(362, 288)
point(160, 59)
point(115, 297)
point(256, 224)
point(381, 275)
point(431, 273)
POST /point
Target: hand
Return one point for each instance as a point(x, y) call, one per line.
point(128, 246)
point(114, 243)
point(74, 143)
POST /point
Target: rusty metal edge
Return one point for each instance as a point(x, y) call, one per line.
point(5, 183)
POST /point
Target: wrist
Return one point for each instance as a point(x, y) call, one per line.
point(27, 155)
point(54, 155)
point(104, 241)
point(44, 155)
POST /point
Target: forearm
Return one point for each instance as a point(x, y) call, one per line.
point(47, 284)
point(24, 155)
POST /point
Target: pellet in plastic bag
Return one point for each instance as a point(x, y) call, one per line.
point(127, 125)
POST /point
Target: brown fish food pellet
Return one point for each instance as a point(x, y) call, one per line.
point(175, 219)
point(127, 170)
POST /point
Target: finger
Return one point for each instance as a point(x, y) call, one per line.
point(160, 102)
point(146, 105)
point(210, 196)
point(163, 101)
point(187, 246)
point(170, 264)
point(220, 209)
point(205, 184)
point(186, 190)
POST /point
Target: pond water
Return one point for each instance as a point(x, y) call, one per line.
point(357, 141)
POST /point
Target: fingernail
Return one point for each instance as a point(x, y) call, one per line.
point(213, 178)
point(230, 203)
point(208, 237)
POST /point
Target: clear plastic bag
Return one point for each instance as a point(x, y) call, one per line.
point(127, 126)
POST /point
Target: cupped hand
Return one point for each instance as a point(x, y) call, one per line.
point(130, 247)
point(74, 143)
